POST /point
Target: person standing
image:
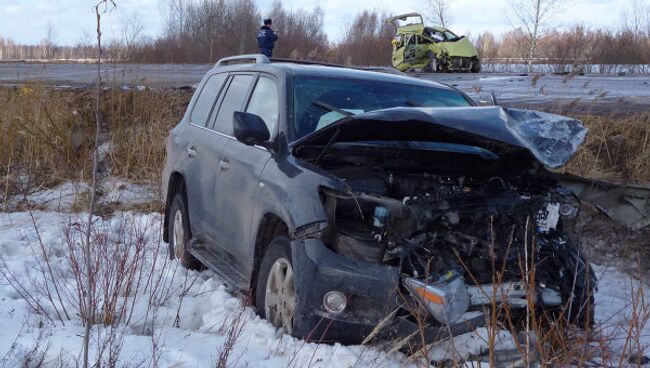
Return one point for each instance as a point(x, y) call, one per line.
point(266, 38)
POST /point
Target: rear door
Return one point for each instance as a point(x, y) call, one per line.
point(239, 182)
point(203, 149)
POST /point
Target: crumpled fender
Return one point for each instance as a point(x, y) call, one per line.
point(624, 203)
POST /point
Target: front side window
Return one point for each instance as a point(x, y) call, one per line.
point(265, 102)
point(320, 101)
point(232, 101)
point(207, 99)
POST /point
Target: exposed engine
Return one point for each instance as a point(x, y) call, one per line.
point(481, 228)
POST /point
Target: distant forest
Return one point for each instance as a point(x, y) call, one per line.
point(204, 31)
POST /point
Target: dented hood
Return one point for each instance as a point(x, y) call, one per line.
point(551, 139)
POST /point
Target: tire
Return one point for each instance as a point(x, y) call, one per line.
point(180, 233)
point(432, 66)
point(577, 284)
point(443, 67)
point(578, 291)
point(283, 307)
point(476, 66)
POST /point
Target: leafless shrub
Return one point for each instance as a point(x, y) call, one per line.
point(34, 356)
point(233, 329)
point(301, 33)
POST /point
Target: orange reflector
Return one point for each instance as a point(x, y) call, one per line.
point(429, 296)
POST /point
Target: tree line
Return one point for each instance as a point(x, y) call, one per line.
point(207, 30)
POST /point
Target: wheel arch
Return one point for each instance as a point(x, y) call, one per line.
point(176, 185)
point(270, 226)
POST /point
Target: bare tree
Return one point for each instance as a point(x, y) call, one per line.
point(534, 17)
point(85, 43)
point(174, 13)
point(47, 44)
point(440, 12)
point(132, 28)
point(636, 17)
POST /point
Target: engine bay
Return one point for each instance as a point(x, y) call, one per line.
point(478, 220)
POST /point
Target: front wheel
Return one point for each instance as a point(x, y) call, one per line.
point(275, 294)
point(432, 66)
point(579, 289)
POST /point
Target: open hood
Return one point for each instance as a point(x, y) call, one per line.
point(551, 139)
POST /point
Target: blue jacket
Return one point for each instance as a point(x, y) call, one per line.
point(266, 38)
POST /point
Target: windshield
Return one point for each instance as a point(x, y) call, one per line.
point(407, 21)
point(441, 36)
point(320, 101)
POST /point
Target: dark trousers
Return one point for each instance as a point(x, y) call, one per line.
point(267, 52)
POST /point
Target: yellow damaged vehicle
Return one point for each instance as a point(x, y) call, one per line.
point(431, 49)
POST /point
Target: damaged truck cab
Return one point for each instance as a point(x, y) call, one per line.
point(356, 205)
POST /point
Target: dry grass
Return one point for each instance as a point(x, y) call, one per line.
point(46, 134)
point(46, 138)
point(616, 150)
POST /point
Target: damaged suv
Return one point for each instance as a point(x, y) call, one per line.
point(356, 205)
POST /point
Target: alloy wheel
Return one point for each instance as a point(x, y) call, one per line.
point(280, 297)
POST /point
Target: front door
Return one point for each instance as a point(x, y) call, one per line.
point(235, 97)
point(239, 182)
point(410, 50)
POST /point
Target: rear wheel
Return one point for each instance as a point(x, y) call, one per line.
point(180, 233)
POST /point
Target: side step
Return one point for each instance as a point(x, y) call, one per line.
point(233, 278)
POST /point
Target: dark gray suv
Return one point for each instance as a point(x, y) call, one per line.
point(344, 200)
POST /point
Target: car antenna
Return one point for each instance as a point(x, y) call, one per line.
point(327, 146)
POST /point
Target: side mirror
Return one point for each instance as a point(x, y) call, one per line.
point(249, 128)
point(484, 99)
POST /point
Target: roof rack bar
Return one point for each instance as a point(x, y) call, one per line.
point(258, 58)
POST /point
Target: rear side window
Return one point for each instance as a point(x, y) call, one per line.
point(206, 100)
point(232, 101)
point(264, 102)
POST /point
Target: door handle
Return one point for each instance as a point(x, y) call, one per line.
point(191, 151)
point(224, 164)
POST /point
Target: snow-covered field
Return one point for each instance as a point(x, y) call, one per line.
point(169, 317)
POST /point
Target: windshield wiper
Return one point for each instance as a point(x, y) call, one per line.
point(327, 146)
point(329, 107)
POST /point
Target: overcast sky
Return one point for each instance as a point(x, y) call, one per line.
point(26, 20)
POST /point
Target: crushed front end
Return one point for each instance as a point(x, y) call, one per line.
point(466, 230)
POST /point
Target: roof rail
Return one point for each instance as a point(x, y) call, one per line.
point(258, 58)
point(380, 69)
point(308, 62)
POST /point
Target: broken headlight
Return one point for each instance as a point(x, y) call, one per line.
point(357, 224)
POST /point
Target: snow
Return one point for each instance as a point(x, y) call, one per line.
point(204, 314)
point(60, 198)
point(70, 196)
point(186, 319)
point(123, 191)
